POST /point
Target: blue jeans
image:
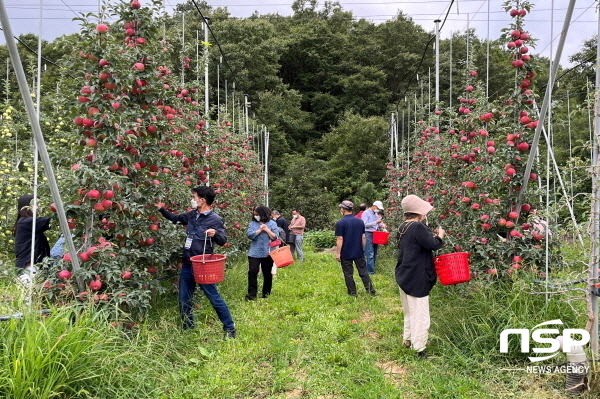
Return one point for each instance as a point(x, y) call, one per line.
point(370, 252)
point(187, 286)
point(297, 247)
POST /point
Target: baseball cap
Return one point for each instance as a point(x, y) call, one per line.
point(378, 204)
point(348, 205)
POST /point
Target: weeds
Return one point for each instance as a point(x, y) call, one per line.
point(308, 339)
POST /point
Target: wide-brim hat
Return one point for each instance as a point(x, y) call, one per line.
point(413, 204)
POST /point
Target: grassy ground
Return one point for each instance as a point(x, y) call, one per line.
point(311, 340)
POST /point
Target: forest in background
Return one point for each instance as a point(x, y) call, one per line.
point(325, 83)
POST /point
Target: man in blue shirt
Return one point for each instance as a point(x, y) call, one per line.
point(204, 229)
point(350, 233)
point(372, 220)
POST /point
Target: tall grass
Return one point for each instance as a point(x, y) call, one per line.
point(50, 356)
point(472, 316)
point(309, 339)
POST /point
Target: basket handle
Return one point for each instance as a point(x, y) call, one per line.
point(204, 249)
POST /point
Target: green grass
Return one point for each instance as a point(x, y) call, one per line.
point(309, 339)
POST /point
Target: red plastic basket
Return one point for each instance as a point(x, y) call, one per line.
point(282, 256)
point(381, 237)
point(453, 268)
point(208, 269)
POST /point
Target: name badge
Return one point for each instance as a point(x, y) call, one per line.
point(188, 243)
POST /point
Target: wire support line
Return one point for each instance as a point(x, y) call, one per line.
point(32, 51)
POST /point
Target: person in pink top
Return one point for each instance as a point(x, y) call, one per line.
point(296, 227)
point(362, 208)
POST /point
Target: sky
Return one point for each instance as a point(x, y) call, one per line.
point(487, 17)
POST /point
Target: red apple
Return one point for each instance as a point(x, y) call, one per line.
point(94, 194)
point(64, 274)
point(101, 28)
point(95, 285)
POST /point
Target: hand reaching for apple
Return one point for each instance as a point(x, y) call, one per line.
point(440, 232)
point(159, 205)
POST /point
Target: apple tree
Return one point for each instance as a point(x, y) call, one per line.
point(141, 140)
point(469, 163)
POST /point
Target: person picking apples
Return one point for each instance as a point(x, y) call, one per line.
point(373, 222)
point(415, 272)
point(24, 244)
point(204, 229)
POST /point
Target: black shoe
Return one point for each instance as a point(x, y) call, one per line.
point(230, 334)
point(373, 293)
point(354, 295)
point(422, 355)
point(265, 295)
point(249, 298)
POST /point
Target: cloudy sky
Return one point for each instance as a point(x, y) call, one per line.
point(487, 17)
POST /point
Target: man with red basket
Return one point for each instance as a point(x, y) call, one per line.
point(204, 229)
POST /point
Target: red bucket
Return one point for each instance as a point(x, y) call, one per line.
point(208, 269)
point(282, 256)
point(381, 237)
point(453, 268)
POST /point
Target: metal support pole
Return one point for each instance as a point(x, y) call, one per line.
point(392, 137)
point(206, 99)
point(182, 48)
point(595, 256)
point(266, 166)
point(450, 99)
point(246, 106)
point(219, 89)
point(197, 56)
point(487, 55)
point(396, 139)
point(233, 106)
point(437, 62)
point(38, 136)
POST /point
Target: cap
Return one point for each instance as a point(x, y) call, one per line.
point(23, 201)
point(347, 205)
point(378, 204)
point(413, 204)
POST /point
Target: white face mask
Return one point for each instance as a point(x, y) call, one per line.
point(294, 216)
point(194, 204)
point(257, 218)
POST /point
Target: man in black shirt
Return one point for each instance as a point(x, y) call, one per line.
point(283, 225)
